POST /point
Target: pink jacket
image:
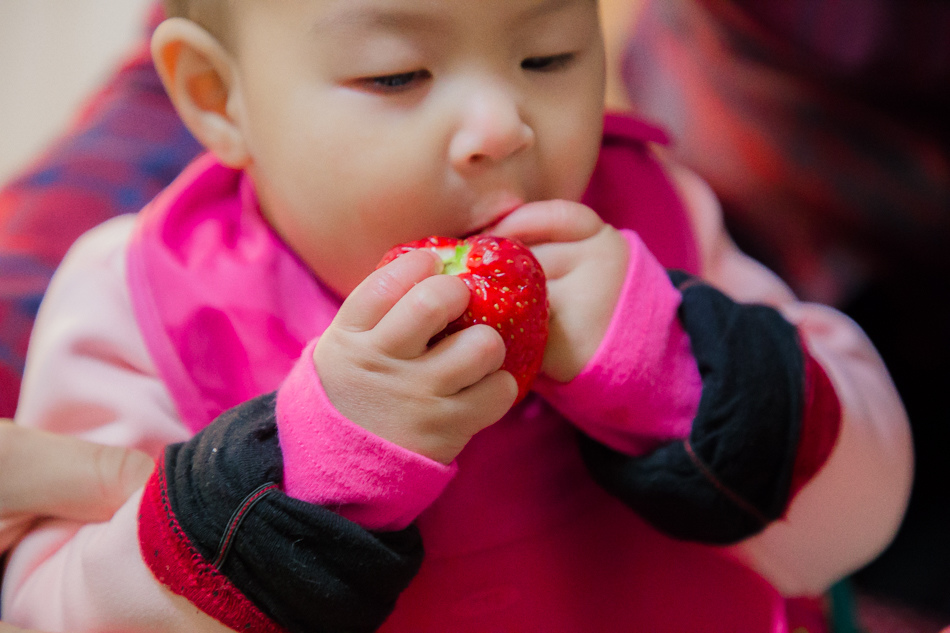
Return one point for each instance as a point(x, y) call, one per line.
point(517, 534)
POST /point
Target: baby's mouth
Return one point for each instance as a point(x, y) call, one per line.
point(484, 229)
point(497, 217)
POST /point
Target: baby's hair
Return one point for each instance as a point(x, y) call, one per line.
point(213, 15)
point(187, 8)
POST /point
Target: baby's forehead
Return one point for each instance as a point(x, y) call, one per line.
point(349, 20)
point(397, 10)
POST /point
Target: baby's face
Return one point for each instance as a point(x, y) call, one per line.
point(376, 122)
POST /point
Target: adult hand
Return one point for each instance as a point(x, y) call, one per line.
point(48, 475)
point(9, 628)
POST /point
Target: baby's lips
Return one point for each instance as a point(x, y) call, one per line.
point(498, 216)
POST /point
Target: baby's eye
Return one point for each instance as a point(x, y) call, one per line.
point(396, 82)
point(547, 63)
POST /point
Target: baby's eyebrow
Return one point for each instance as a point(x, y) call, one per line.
point(547, 7)
point(380, 19)
point(404, 19)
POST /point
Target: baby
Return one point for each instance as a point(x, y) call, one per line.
point(699, 446)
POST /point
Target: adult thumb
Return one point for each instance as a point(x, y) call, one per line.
point(9, 628)
point(45, 474)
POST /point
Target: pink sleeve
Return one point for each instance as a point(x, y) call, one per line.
point(332, 462)
point(88, 375)
point(66, 577)
point(642, 387)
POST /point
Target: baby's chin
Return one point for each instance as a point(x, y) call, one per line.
point(340, 279)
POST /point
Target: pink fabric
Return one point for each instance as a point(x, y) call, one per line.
point(630, 190)
point(521, 538)
point(332, 462)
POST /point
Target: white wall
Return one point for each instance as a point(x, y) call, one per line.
point(53, 53)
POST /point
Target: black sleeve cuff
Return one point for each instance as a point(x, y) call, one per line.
point(732, 476)
point(216, 528)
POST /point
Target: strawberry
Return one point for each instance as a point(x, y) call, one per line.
point(508, 293)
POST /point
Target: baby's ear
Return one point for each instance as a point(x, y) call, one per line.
point(199, 76)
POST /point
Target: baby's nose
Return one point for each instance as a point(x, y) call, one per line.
point(491, 130)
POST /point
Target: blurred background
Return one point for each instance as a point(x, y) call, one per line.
point(53, 53)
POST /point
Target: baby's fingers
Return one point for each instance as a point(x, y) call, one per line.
point(376, 295)
point(464, 358)
point(486, 402)
point(550, 221)
point(446, 425)
point(404, 332)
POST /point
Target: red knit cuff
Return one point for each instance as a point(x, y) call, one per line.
point(176, 563)
point(821, 423)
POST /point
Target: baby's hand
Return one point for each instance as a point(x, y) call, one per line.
point(377, 370)
point(585, 261)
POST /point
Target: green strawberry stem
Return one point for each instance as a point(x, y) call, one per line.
point(454, 261)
